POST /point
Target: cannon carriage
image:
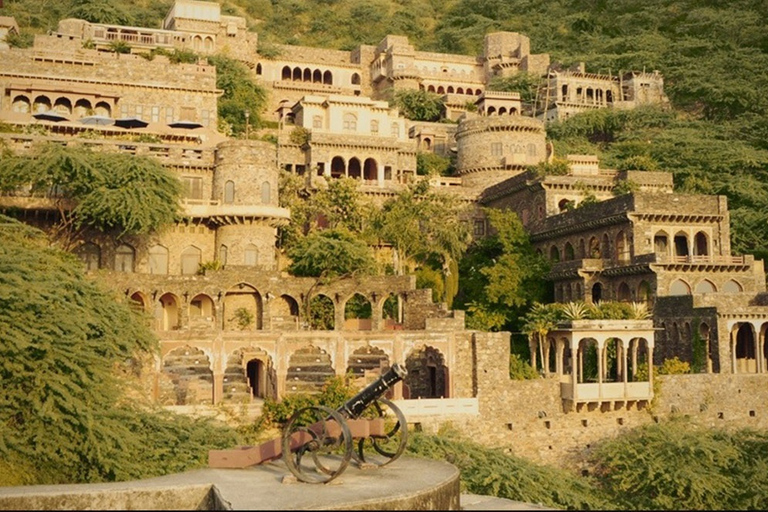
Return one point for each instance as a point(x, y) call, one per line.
point(318, 443)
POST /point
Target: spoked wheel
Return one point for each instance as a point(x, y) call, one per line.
point(379, 449)
point(317, 444)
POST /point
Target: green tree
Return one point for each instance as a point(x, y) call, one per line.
point(539, 321)
point(424, 228)
point(527, 84)
point(330, 254)
point(418, 105)
point(501, 275)
point(241, 94)
point(112, 192)
point(431, 164)
point(68, 351)
point(670, 466)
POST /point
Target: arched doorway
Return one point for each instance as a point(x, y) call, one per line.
point(242, 309)
point(746, 362)
point(370, 170)
point(427, 374)
point(597, 293)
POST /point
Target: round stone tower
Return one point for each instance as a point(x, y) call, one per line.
point(247, 214)
point(494, 148)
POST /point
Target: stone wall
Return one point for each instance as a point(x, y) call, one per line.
point(526, 418)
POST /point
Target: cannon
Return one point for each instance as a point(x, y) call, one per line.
point(318, 443)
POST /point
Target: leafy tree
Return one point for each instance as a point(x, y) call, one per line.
point(539, 321)
point(66, 348)
point(241, 93)
point(418, 105)
point(557, 167)
point(670, 466)
point(501, 275)
point(21, 39)
point(527, 84)
point(329, 254)
point(491, 472)
point(112, 192)
point(424, 227)
point(431, 164)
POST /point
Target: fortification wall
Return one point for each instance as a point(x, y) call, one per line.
point(525, 418)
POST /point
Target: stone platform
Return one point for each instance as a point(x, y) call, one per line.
point(409, 484)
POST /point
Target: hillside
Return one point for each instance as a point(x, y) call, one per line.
point(713, 55)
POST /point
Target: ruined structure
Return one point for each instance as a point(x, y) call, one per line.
point(235, 328)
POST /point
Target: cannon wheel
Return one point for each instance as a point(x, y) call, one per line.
point(326, 448)
point(390, 447)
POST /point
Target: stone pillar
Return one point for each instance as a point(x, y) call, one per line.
point(341, 360)
point(338, 318)
point(377, 313)
point(576, 366)
point(398, 357)
point(624, 372)
point(758, 353)
point(218, 387)
point(650, 366)
point(600, 366)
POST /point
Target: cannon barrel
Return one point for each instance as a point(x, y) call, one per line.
point(355, 406)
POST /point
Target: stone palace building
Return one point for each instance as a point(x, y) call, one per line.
point(669, 250)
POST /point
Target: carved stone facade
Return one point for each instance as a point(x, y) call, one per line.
point(249, 330)
point(652, 246)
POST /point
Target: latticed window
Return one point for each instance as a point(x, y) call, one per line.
point(350, 122)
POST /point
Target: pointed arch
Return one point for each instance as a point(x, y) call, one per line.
point(90, 254)
point(338, 167)
point(354, 168)
point(357, 313)
point(322, 313)
point(370, 170)
point(125, 256)
point(243, 308)
point(171, 318)
point(191, 258)
point(158, 260)
point(202, 310)
point(706, 286)
point(367, 359)
point(679, 287)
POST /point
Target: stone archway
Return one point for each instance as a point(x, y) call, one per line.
point(366, 360)
point(250, 373)
point(427, 374)
point(243, 309)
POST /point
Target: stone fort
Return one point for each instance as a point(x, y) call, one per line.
point(655, 246)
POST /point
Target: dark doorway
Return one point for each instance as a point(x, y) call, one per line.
point(255, 371)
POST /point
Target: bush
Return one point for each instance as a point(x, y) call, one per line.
point(334, 393)
point(674, 366)
point(490, 472)
point(675, 466)
point(521, 370)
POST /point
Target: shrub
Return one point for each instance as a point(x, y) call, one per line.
point(521, 370)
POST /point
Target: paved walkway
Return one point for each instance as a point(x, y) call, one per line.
point(478, 502)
